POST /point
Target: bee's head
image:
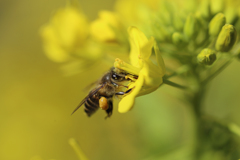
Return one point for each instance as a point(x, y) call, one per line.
point(117, 75)
point(113, 76)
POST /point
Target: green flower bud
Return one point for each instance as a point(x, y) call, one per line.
point(178, 39)
point(190, 26)
point(206, 56)
point(226, 38)
point(216, 24)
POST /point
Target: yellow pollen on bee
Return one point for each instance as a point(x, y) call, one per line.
point(103, 103)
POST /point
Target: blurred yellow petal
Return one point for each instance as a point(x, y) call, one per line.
point(102, 29)
point(71, 26)
point(127, 10)
point(55, 53)
point(51, 46)
point(66, 32)
point(110, 17)
point(133, 12)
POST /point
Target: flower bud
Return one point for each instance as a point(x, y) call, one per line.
point(206, 56)
point(190, 26)
point(178, 39)
point(226, 38)
point(216, 24)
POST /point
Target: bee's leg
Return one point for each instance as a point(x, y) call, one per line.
point(115, 84)
point(110, 108)
point(122, 93)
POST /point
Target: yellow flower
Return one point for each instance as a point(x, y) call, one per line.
point(103, 29)
point(66, 33)
point(149, 74)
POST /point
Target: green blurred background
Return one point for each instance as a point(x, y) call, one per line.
point(36, 100)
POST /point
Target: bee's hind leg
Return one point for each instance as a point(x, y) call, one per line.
point(109, 110)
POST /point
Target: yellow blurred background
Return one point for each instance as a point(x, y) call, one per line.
point(36, 100)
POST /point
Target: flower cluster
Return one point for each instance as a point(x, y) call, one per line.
point(198, 37)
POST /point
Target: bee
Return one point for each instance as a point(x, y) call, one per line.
point(107, 87)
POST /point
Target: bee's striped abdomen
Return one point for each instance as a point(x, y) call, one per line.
point(91, 105)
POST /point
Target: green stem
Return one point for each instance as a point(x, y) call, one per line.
point(197, 101)
point(209, 78)
point(74, 144)
point(173, 84)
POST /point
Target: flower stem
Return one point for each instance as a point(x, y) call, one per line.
point(77, 149)
point(173, 84)
point(204, 82)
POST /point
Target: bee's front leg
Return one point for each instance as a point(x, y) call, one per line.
point(122, 93)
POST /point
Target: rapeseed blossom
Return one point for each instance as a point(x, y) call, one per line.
point(149, 74)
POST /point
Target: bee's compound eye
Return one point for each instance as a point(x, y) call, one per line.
point(116, 77)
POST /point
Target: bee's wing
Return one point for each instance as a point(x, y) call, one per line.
point(90, 86)
point(89, 95)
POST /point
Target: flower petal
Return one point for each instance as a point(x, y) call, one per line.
point(160, 61)
point(126, 67)
point(128, 101)
point(151, 75)
point(146, 50)
point(137, 41)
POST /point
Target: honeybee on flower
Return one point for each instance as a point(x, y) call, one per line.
point(196, 39)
